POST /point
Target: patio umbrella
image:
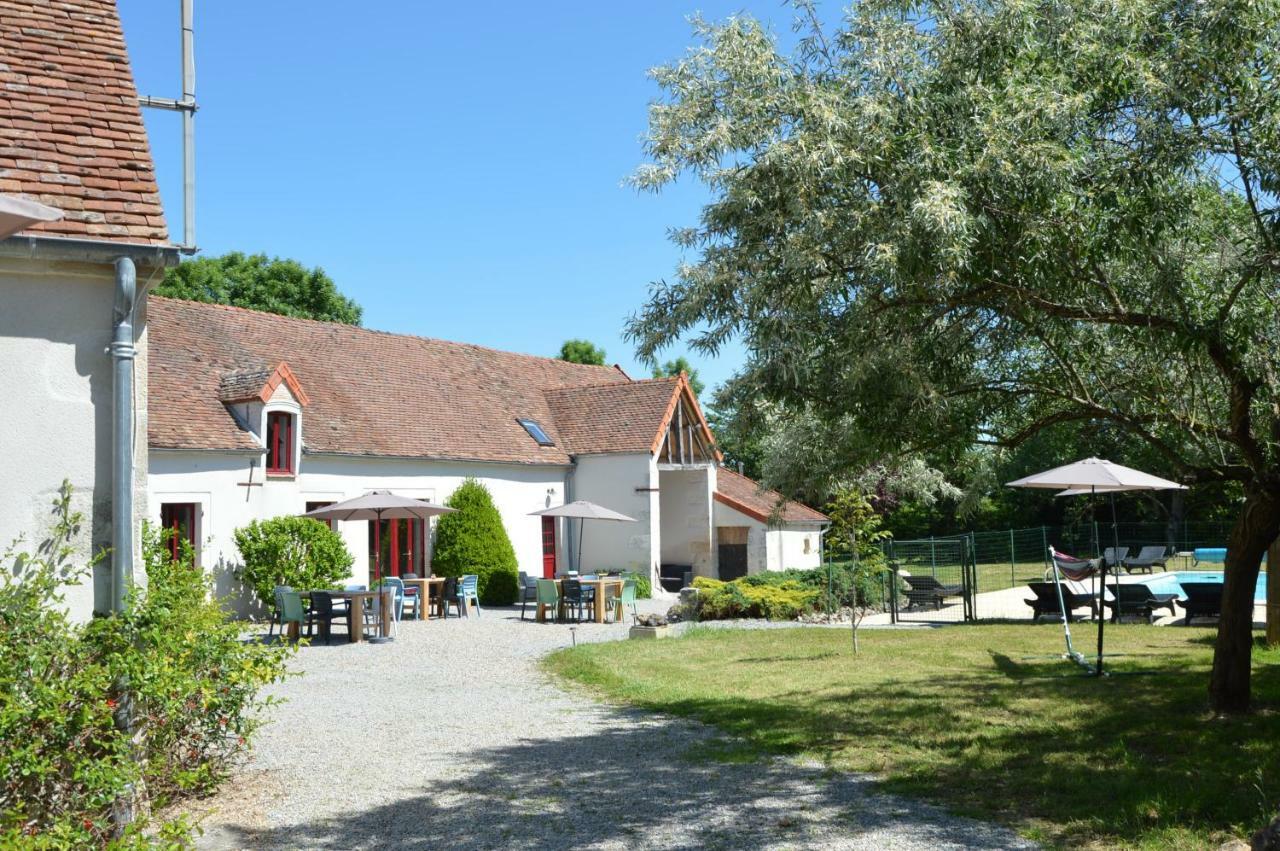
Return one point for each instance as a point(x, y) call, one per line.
point(1094, 475)
point(379, 505)
point(582, 510)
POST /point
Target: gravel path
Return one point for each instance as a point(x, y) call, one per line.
point(450, 737)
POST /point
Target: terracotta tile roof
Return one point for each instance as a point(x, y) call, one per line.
point(258, 385)
point(371, 393)
point(71, 132)
point(745, 495)
point(612, 418)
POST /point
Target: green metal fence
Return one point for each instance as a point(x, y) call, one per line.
point(932, 580)
point(975, 563)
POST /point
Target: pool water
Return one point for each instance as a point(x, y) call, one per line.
point(1170, 583)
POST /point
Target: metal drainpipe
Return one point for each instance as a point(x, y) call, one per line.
point(122, 354)
point(568, 528)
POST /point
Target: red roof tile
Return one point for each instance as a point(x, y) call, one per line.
point(379, 394)
point(612, 418)
point(746, 495)
point(71, 132)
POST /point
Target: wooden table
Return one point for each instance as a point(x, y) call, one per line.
point(428, 587)
point(600, 584)
point(355, 599)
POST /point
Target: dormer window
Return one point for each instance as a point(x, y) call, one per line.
point(281, 428)
point(536, 432)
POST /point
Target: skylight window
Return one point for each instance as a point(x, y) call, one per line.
point(536, 432)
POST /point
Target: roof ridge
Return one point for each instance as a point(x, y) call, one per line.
point(231, 308)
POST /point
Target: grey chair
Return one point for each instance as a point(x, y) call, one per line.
point(1114, 556)
point(324, 612)
point(528, 591)
point(574, 599)
point(1147, 558)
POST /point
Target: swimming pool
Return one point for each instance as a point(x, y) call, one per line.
point(1171, 583)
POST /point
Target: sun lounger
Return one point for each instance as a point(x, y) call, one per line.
point(1138, 599)
point(1046, 601)
point(1147, 558)
point(925, 590)
point(1204, 600)
point(1115, 556)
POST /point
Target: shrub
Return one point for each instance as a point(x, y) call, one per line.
point(644, 586)
point(749, 597)
point(159, 699)
point(296, 551)
point(473, 540)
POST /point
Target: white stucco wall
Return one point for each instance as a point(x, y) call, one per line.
point(685, 498)
point(55, 380)
point(773, 548)
point(786, 548)
point(212, 481)
point(627, 483)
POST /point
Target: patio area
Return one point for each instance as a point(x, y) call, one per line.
point(452, 736)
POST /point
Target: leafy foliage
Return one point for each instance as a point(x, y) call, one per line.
point(157, 701)
point(674, 367)
point(473, 540)
point(921, 260)
point(261, 283)
point(644, 586)
point(582, 351)
point(296, 551)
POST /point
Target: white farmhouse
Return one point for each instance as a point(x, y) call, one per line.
point(254, 415)
point(81, 235)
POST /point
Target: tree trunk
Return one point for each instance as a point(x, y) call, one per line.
point(1273, 594)
point(1254, 530)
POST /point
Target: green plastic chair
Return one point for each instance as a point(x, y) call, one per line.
point(628, 597)
point(549, 594)
point(292, 611)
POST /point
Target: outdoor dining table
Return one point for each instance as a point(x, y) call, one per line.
point(356, 600)
point(428, 587)
point(600, 584)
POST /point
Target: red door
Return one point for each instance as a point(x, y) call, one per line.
point(548, 548)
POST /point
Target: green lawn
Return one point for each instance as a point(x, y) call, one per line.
point(973, 717)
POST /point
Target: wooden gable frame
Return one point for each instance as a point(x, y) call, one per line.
point(684, 438)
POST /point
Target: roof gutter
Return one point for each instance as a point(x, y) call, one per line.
point(31, 247)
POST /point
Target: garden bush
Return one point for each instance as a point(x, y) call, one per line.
point(784, 599)
point(473, 540)
point(144, 707)
point(644, 587)
point(296, 551)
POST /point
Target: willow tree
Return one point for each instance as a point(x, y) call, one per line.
point(941, 222)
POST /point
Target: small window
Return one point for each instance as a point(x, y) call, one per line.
point(312, 506)
point(280, 430)
point(807, 548)
point(178, 520)
point(536, 432)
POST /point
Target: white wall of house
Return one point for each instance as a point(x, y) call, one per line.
point(794, 545)
point(685, 498)
point(214, 481)
point(55, 380)
point(626, 483)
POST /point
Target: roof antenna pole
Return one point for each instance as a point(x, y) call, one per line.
point(188, 125)
point(187, 106)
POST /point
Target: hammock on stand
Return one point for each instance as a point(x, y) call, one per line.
point(1076, 570)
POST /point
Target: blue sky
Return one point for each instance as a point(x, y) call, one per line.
point(457, 168)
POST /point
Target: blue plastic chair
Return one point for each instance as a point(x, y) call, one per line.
point(468, 592)
point(396, 583)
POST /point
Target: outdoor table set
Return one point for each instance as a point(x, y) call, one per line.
point(602, 586)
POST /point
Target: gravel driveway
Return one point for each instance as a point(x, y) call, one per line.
point(450, 737)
